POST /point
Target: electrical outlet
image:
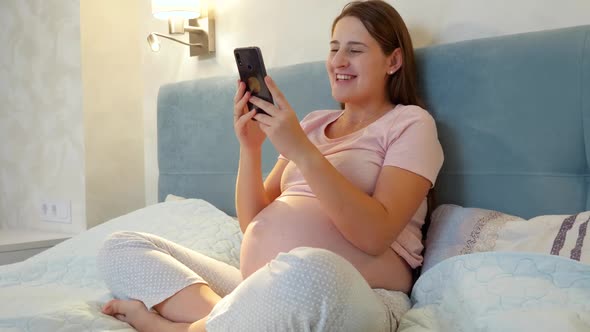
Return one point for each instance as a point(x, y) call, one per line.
point(56, 211)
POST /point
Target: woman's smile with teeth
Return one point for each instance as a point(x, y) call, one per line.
point(342, 77)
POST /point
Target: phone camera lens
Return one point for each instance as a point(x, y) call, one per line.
point(238, 59)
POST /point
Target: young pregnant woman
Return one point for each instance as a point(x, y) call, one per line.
point(338, 217)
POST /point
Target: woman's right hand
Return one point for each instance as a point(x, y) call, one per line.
point(247, 130)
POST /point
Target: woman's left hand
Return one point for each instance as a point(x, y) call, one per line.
point(281, 125)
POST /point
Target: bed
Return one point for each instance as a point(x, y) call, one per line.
point(507, 247)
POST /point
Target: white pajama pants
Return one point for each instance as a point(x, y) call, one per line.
point(306, 289)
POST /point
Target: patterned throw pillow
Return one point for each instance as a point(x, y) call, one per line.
point(455, 230)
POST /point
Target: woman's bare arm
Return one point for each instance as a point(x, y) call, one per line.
point(371, 223)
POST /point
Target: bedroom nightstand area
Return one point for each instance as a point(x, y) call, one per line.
point(18, 245)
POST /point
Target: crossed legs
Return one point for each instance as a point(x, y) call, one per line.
point(181, 285)
point(306, 289)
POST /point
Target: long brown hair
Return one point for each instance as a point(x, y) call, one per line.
point(387, 27)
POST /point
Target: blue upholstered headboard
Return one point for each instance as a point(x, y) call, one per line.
point(512, 112)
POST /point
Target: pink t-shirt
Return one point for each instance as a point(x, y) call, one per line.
point(405, 137)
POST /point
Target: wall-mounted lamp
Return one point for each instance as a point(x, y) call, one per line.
point(184, 16)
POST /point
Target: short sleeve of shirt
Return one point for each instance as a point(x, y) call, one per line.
point(416, 148)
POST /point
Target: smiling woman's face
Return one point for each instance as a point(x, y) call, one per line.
point(356, 64)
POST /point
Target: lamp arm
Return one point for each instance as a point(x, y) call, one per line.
point(177, 40)
point(191, 28)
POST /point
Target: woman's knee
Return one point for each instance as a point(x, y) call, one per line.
point(318, 266)
point(306, 287)
point(330, 290)
point(115, 246)
point(119, 240)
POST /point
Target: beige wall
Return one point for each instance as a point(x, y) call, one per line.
point(113, 117)
point(71, 116)
point(41, 125)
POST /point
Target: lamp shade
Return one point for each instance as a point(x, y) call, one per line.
point(165, 9)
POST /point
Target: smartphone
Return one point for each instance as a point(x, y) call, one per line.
point(252, 72)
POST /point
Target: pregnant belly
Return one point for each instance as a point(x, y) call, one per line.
point(299, 221)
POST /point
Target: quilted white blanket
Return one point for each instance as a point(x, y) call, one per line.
point(59, 290)
point(505, 292)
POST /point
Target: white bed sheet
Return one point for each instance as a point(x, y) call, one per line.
point(59, 289)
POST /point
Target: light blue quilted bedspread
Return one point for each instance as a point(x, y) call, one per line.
point(506, 292)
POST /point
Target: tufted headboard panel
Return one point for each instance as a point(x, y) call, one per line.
point(513, 118)
point(512, 113)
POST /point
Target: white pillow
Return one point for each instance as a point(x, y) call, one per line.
point(171, 198)
point(455, 230)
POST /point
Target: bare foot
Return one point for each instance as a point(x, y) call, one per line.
point(132, 312)
point(137, 315)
